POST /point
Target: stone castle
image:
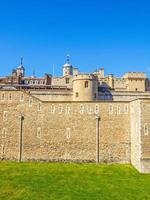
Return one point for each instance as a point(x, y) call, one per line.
point(77, 117)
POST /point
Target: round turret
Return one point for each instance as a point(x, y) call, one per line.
point(20, 69)
point(67, 68)
point(85, 87)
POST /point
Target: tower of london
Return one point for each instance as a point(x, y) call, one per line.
point(76, 117)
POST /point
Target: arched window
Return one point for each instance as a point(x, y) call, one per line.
point(4, 133)
point(96, 109)
point(30, 102)
point(68, 133)
point(5, 115)
point(36, 82)
point(60, 109)
point(126, 108)
point(9, 97)
point(145, 129)
point(52, 109)
point(118, 109)
point(81, 109)
point(89, 109)
point(67, 109)
point(39, 106)
point(2, 149)
point(110, 109)
point(38, 134)
point(3, 97)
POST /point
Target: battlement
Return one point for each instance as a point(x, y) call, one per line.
point(84, 77)
point(135, 75)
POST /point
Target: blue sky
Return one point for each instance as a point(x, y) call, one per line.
point(114, 34)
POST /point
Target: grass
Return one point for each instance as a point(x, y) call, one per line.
point(58, 181)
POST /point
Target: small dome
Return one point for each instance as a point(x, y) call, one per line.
point(67, 65)
point(20, 67)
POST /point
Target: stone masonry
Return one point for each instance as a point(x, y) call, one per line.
point(66, 131)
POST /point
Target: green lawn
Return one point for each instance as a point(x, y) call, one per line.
point(30, 181)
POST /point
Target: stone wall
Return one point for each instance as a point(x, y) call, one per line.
point(140, 137)
point(63, 130)
point(145, 136)
point(66, 130)
point(53, 95)
point(62, 81)
point(119, 84)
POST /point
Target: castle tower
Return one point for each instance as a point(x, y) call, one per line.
point(85, 87)
point(101, 73)
point(20, 69)
point(67, 68)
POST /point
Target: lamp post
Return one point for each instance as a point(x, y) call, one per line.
point(97, 138)
point(21, 117)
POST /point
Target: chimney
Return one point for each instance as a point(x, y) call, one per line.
point(48, 79)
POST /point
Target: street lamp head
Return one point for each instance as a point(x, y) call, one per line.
point(97, 117)
point(21, 116)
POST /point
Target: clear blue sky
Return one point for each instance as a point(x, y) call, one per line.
point(114, 34)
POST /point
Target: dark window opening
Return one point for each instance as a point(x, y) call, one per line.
point(67, 80)
point(86, 84)
point(77, 94)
